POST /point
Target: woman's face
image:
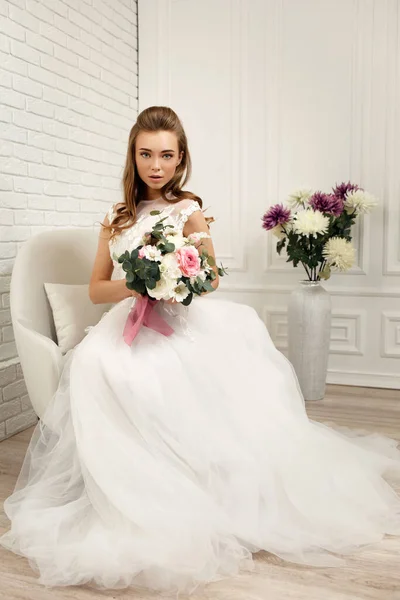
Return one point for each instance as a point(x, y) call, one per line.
point(156, 154)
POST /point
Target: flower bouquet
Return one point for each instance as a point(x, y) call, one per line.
point(315, 228)
point(166, 265)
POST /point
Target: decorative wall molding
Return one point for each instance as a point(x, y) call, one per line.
point(390, 335)
point(359, 147)
point(287, 289)
point(236, 259)
point(347, 330)
point(158, 88)
point(275, 92)
point(391, 228)
point(276, 321)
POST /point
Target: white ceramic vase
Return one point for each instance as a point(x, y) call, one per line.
point(309, 326)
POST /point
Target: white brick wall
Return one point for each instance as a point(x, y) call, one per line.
point(68, 98)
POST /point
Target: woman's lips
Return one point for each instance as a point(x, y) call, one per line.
point(151, 177)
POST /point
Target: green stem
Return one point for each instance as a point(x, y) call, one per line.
point(308, 274)
point(310, 253)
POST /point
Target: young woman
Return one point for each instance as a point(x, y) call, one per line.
point(167, 463)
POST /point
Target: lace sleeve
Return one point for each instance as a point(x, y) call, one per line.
point(185, 213)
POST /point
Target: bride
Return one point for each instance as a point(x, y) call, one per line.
point(166, 464)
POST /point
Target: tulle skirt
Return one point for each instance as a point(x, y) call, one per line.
point(168, 463)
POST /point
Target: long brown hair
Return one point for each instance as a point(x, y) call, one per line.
point(152, 119)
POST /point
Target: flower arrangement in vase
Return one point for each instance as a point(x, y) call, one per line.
point(315, 230)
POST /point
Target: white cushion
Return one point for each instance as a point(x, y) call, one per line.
point(73, 312)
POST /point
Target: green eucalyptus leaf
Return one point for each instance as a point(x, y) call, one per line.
point(187, 300)
point(123, 257)
point(151, 283)
point(207, 286)
point(140, 286)
point(169, 247)
point(280, 245)
point(135, 253)
point(211, 261)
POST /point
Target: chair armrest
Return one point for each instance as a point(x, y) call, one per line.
point(41, 363)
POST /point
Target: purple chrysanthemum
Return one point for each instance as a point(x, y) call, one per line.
point(276, 215)
point(341, 190)
point(327, 203)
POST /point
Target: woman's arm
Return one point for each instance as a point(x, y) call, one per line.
point(101, 289)
point(196, 223)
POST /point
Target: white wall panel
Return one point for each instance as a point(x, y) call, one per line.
point(281, 94)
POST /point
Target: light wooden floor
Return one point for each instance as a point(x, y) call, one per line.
point(373, 573)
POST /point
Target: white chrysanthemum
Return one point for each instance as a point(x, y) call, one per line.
point(299, 198)
point(169, 266)
point(359, 201)
point(180, 292)
point(151, 252)
point(164, 288)
point(310, 222)
point(339, 253)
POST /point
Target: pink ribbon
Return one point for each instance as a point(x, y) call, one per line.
point(142, 314)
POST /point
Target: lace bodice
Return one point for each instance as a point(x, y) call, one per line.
point(129, 239)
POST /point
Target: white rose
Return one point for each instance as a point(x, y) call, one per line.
point(169, 266)
point(164, 288)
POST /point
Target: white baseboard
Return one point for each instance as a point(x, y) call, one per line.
point(377, 380)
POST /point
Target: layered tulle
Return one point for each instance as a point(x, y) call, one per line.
point(168, 463)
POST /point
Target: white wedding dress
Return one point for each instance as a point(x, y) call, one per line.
point(168, 463)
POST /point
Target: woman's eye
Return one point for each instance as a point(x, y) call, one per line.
point(143, 153)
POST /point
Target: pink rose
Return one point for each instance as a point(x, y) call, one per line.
point(189, 261)
point(142, 252)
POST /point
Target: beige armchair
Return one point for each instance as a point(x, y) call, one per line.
point(59, 256)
